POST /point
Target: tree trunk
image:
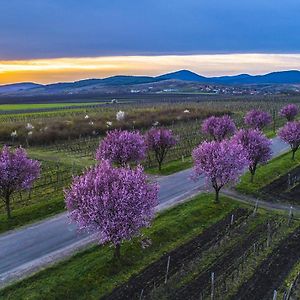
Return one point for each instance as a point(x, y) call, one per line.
point(117, 253)
point(217, 198)
point(293, 154)
point(159, 166)
point(7, 207)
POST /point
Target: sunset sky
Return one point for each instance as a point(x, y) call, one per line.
point(53, 40)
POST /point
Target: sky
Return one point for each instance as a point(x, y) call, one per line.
point(65, 40)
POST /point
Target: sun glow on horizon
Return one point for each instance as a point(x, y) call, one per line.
point(70, 69)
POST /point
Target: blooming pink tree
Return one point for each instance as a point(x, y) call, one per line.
point(290, 133)
point(289, 112)
point(122, 147)
point(160, 141)
point(257, 147)
point(17, 173)
point(113, 202)
point(257, 119)
point(218, 127)
point(220, 162)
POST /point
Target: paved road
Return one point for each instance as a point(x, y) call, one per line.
point(26, 250)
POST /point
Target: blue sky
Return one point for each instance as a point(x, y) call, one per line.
point(64, 28)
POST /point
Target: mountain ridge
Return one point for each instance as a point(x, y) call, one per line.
point(278, 77)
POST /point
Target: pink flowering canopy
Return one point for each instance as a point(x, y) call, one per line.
point(290, 133)
point(257, 147)
point(17, 172)
point(257, 119)
point(289, 112)
point(122, 147)
point(113, 202)
point(160, 140)
point(218, 127)
point(220, 162)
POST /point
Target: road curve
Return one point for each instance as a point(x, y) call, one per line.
point(26, 250)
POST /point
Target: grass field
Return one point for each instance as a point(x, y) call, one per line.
point(92, 273)
point(267, 173)
point(45, 105)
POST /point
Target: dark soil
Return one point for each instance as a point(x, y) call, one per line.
point(154, 274)
point(193, 289)
point(279, 189)
point(272, 272)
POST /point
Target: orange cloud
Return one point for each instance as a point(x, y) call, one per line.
point(70, 69)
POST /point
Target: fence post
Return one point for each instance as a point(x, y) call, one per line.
point(212, 295)
point(167, 272)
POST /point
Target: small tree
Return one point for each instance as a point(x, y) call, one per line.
point(289, 112)
point(17, 173)
point(218, 127)
point(160, 141)
point(257, 119)
point(220, 162)
point(113, 202)
point(290, 133)
point(122, 147)
point(257, 147)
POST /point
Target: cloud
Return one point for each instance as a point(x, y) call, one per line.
point(70, 69)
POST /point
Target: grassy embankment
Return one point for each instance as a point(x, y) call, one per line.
point(92, 273)
point(267, 173)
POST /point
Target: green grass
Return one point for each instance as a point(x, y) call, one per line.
point(172, 167)
point(32, 213)
point(267, 173)
point(92, 273)
point(45, 105)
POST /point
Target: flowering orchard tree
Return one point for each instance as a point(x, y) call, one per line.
point(290, 133)
point(113, 202)
point(122, 147)
point(257, 119)
point(220, 162)
point(160, 141)
point(17, 172)
point(218, 127)
point(257, 147)
point(289, 112)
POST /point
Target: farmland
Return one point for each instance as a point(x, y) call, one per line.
point(230, 250)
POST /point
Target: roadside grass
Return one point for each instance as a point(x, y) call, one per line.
point(93, 273)
point(172, 167)
point(267, 173)
point(32, 213)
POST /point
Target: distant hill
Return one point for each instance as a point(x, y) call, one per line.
point(16, 87)
point(111, 84)
point(184, 75)
point(283, 77)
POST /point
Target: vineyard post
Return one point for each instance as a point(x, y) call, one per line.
point(290, 216)
point(255, 208)
point(167, 272)
point(212, 295)
point(269, 235)
point(141, 294)
point(232, 220)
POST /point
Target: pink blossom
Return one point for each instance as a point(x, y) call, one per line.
point(17, 172)
point(160, 141)
point(256, 145)
point(218, 127)
point(113, 202)
point(257, 119)
point(290, 133)
point(289, 112)
point(220, 162)
point(122, 147)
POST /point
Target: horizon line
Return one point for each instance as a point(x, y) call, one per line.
point(67, 69)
